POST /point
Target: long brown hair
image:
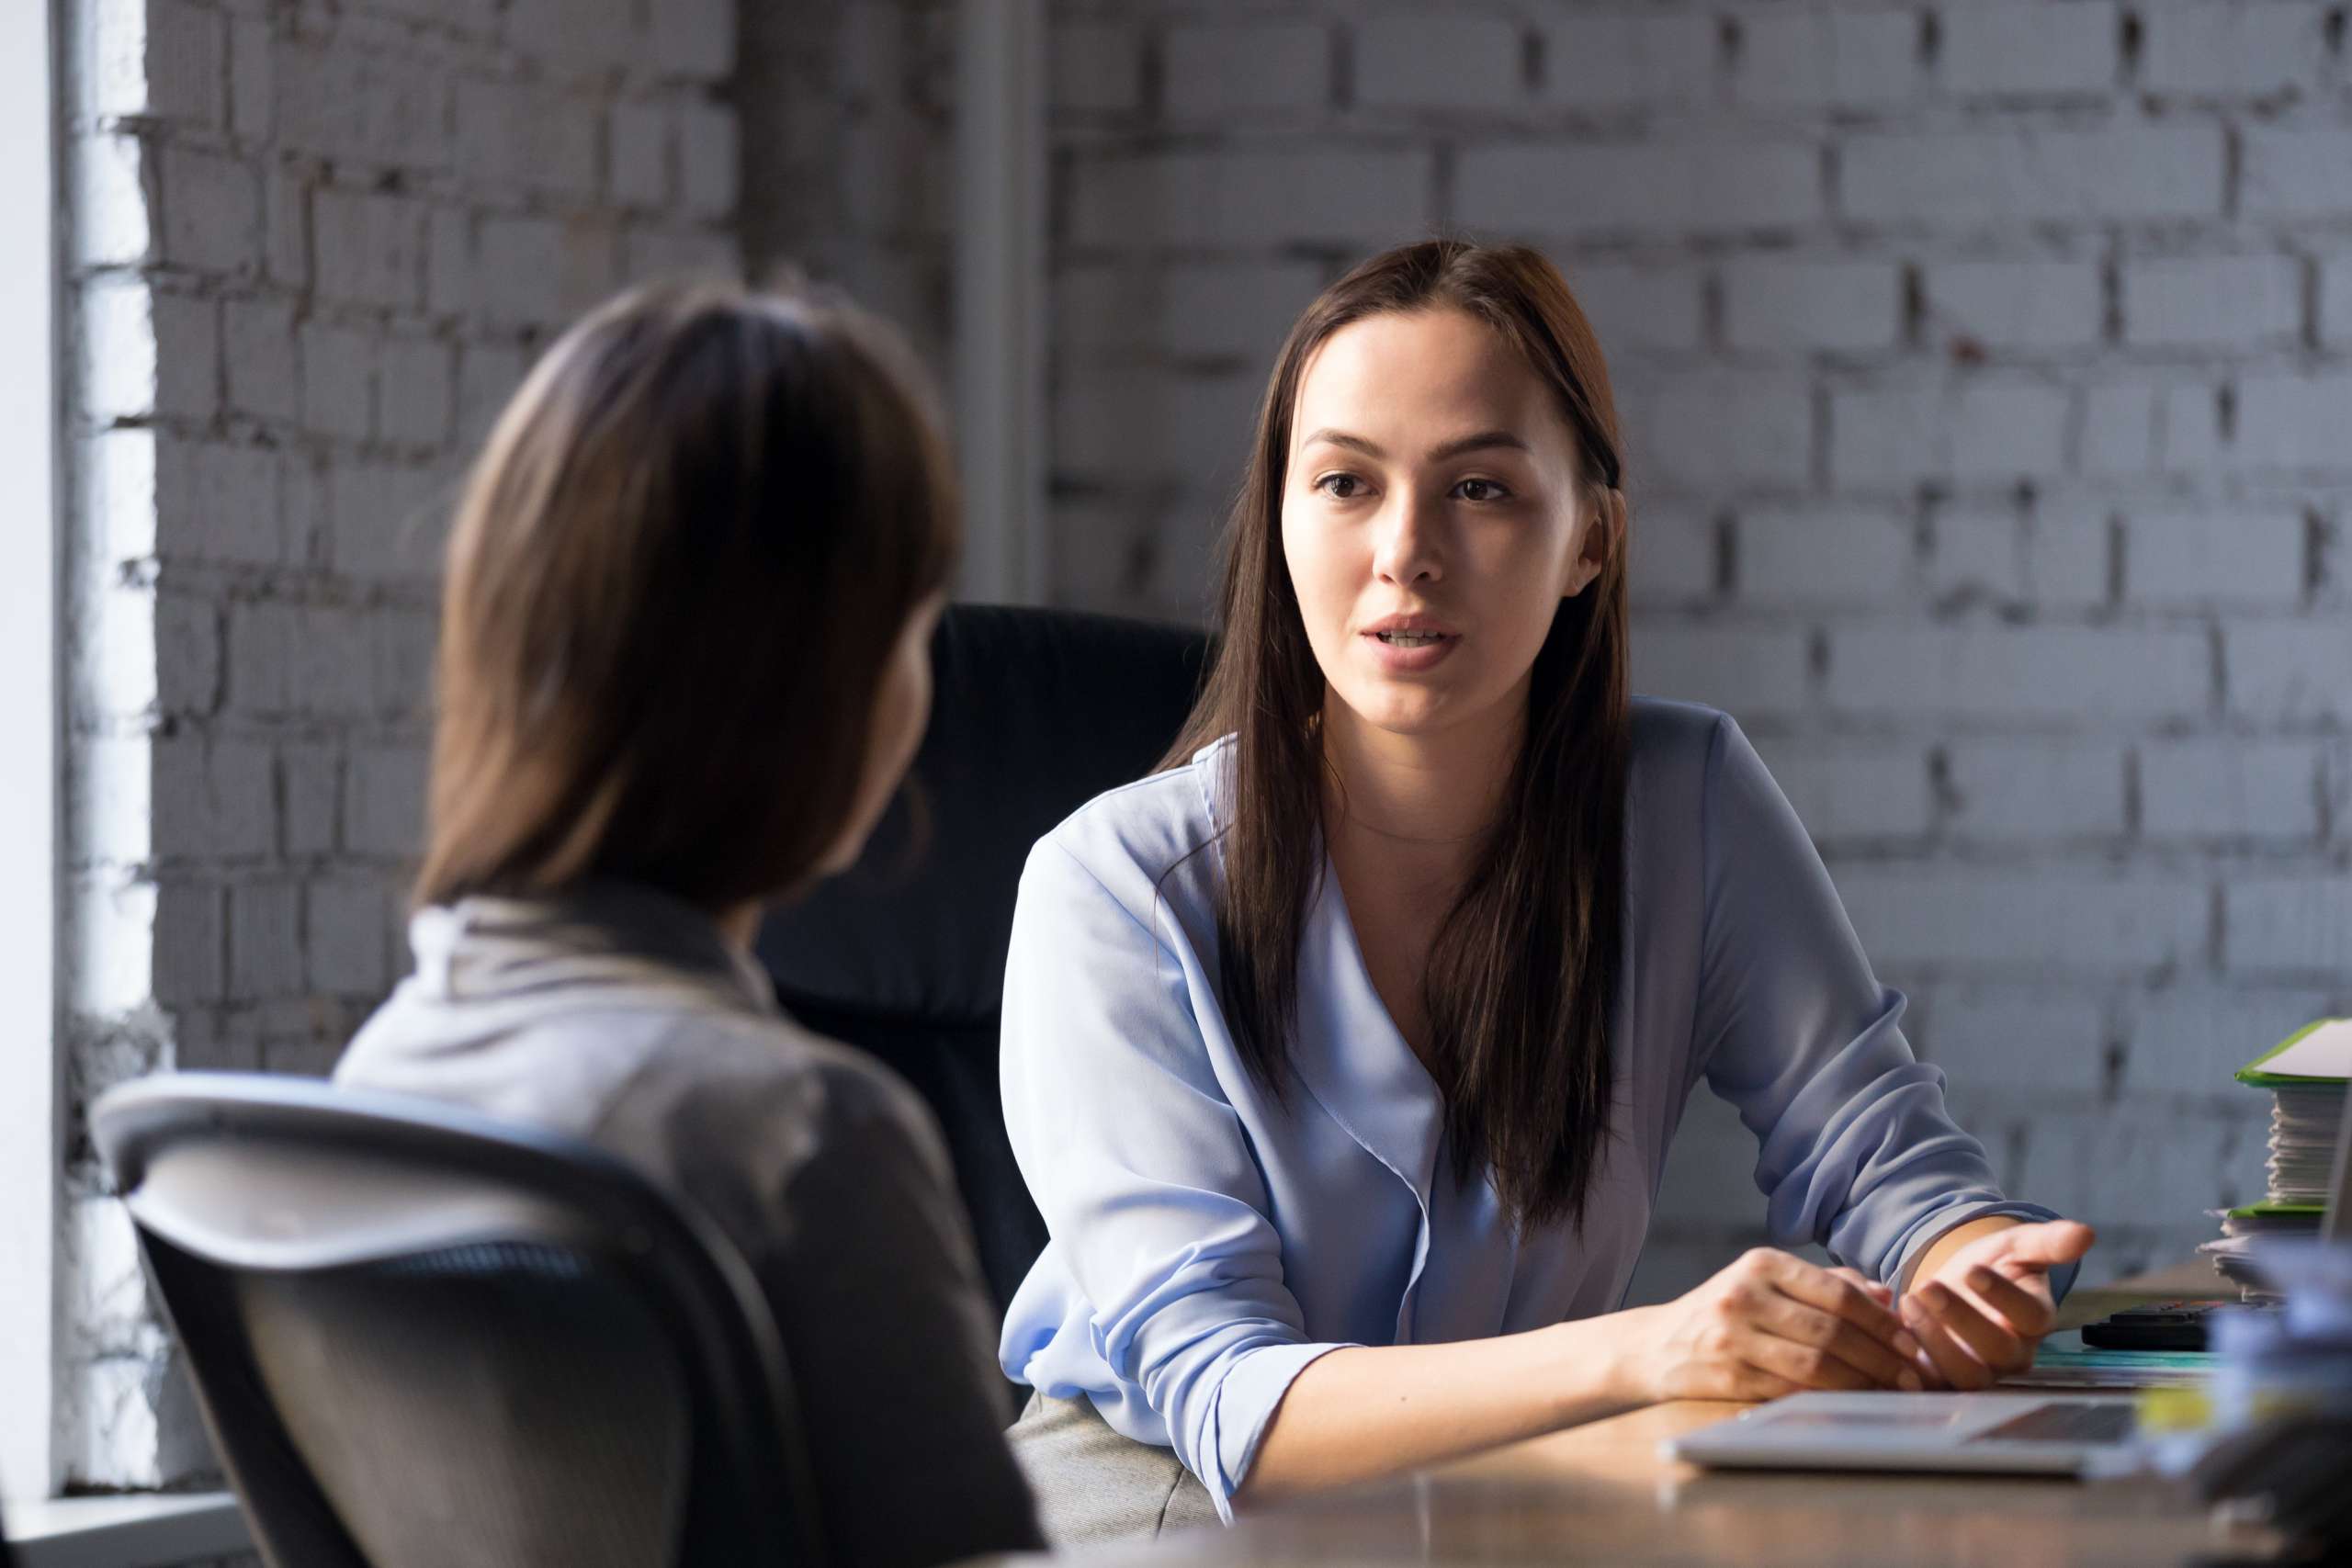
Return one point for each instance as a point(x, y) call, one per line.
point(677, 572)
point(1523, 972)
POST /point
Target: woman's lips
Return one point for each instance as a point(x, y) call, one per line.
point(1398, 658)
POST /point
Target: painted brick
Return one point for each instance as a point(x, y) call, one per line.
point(675, 253)
point(2231, 50)
point(415, 384)
point(2287, 924)
point(2018, 51)
point(1097, 67)
point(1210, 71)
point(637, 135)
point(2224, 302)
point(2194, 1038)
point(2024, 673)
point(2022, 920)
point(211, 208)
point(1944, 179)
point(145, 351)
point(176, 75)
point(341, 100)
point(1644, 188)
point(2335, 303)
point(338, 380)
point(578, 35)
point(1453, 61)
point(113, 226)
point(1238, 312)
point(187, 657)
point(2138, 1160)
point(1834, 305)
point(265, 940)
point(265, 650)
point(2016, 305)
point(2010, 1040)
point(1792, 59)
point(1760, 426)
point(369, 249)
point(384, 801)
point(190, 944)
point(488, 374)
point(539, 271)
point(212, 797)
point(1642, 307)
point(2295, 173)
point(346, 938)
point(1189, 428)
point(2242, 554)
point(696, 38)
point(331, 677)
point(1248, 198)
point(1673, 552)
point(1746, 672)
point(2069, 558)
point(252, 80)
point(2290, 421)
point(2188, 429)
point(2119, 430)
point(2005, 429)
point(388, 520)
point(1982, 429)
point(2236, 788)
point(2036, 789)
point(535, 138)
point(709, 159)
point(1818, 554)
point(218, 503)
point(1627, 58)
point(2288, 671)
point(285, 228)
point(401, 645)
point(1845, 790)
point(257, 359)
point(309, 778)
point(1976, 553)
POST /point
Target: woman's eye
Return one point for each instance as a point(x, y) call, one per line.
point(1480, 490)
point(1340, 486)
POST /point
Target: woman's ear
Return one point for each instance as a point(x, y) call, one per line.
point(1604, 535)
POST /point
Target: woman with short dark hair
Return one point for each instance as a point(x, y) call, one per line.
point(1342, 1054)
point(683, 664)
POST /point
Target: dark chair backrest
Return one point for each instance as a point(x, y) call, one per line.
point(423, 1338)
point(1034, 713)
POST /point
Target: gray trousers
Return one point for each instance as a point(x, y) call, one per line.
point(1093, 1483)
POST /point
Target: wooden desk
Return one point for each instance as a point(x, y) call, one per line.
point(1601, 1493)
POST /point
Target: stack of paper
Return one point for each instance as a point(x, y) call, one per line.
point(2305, 1074)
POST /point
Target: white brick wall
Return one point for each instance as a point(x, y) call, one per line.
point(1987, 365)
point(313, 249)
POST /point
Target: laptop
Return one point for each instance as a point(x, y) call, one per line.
point(2007, 1432)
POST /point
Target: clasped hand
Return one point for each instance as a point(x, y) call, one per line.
point(1772, 1324)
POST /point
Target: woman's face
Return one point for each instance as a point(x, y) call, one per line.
point(901, 708)
point(1432, 518)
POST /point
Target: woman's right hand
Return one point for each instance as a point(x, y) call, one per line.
point(1770, 1324)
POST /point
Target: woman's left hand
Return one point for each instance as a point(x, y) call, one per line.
point(1979, 1316)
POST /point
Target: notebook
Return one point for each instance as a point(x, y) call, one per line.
point(2306, 1075)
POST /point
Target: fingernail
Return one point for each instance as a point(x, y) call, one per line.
point(1933, 1294)
point(1909, 1381)
point(1980, 1279)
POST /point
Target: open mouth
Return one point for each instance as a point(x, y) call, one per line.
point(1410, 639)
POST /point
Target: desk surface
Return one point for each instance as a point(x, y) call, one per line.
point(1601, 1493)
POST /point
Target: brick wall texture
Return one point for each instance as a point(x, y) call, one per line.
point(312, 248)
point(1987, 368)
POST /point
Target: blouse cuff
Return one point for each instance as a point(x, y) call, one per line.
point(2061, 1277)
point(1247, 1397)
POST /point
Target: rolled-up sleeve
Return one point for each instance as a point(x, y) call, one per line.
point(1142, 1168)
point(1856, 1149)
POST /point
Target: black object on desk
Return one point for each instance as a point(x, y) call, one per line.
point(2167, 1325)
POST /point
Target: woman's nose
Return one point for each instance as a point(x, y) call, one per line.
point(1409, 548)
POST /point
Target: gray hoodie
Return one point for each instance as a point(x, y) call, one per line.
point(620, 1016)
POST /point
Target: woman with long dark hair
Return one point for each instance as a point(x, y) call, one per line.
point(684, 662)
point(1342, 1054)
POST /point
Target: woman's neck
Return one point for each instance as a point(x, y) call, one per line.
point(1421, 799)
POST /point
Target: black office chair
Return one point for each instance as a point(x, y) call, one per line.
point(422, 1339)
point(1034, 713)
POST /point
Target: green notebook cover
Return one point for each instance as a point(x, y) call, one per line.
point(2251, 1072)
point(2274, 1211)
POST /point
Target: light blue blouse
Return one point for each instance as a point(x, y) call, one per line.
point(1208, 1243)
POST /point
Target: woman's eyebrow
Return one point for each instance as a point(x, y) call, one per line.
point(1483, 440)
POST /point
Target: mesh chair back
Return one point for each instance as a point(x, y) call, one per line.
point(424, 1339)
